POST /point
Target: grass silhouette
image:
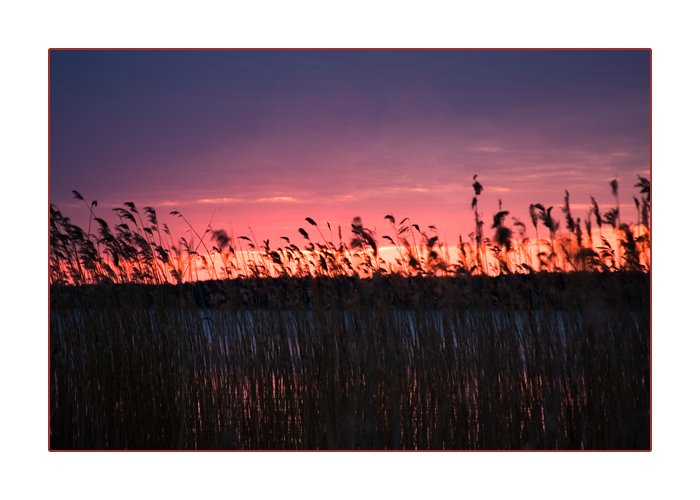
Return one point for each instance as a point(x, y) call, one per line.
point(139, 253)
point(331, 347)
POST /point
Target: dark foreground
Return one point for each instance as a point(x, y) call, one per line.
point(544, 361)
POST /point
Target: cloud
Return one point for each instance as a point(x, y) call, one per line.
point(413, 190)
point(276, 198)
point(219, 200)
point(583, 206)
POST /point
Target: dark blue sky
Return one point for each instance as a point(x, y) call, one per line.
point(267, 138)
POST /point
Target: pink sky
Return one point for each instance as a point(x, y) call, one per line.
point(267, 138)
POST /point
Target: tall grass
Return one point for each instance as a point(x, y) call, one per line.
point(330, 347)
point(138, 252)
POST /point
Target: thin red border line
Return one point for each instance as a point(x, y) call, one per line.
point(423, 49)
point(48, 253)
point(348, 451)
point(348, 48)
point(651, 274)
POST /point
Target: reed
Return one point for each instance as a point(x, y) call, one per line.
point(136, 252)
point(331, 347)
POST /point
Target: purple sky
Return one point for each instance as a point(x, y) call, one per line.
point(267, 138)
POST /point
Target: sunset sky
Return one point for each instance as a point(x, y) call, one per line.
point(267, 138)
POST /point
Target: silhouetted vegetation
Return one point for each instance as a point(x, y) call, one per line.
point(138, 252)
point(329, 346)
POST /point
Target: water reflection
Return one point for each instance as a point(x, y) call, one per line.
point(212, 379)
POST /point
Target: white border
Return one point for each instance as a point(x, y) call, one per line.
point(31, 470)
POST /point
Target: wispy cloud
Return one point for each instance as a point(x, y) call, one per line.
point(409, 189)
point(578, 206)
point(276, 198)
point(219, 200)
point(488, 150)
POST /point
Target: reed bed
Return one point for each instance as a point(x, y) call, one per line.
point(518, 362)
point(331, 348)
point(135, 251)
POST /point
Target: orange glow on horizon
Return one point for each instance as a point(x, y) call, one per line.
point(395, 260)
